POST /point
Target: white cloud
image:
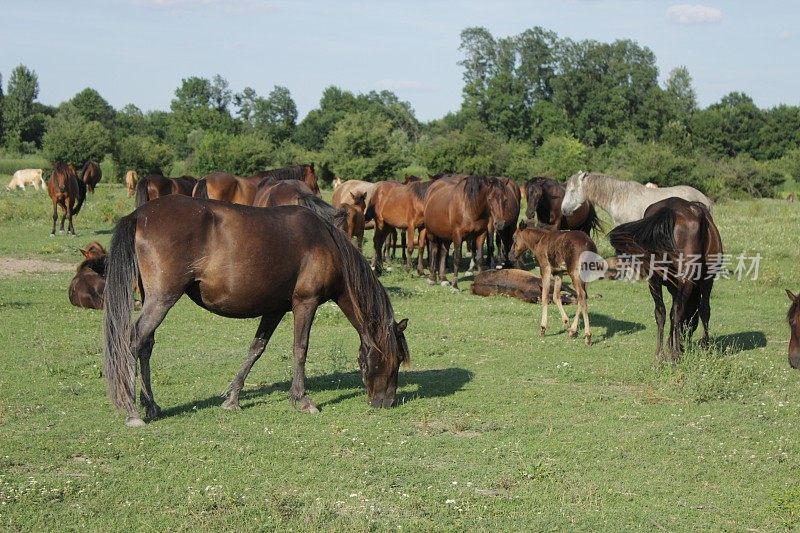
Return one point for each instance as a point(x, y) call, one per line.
point(693, 14)
point(407, 85)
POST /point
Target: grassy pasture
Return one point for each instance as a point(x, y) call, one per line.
point(497, 428)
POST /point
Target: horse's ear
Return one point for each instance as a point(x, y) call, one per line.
point(792, 296)
point(86, 254)
point(312, 167)
point(401, 326)
point(353, 195)
point(522, 224)
point(582, 175)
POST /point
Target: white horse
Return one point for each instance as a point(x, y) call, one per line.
point(26, 176)
point(625, 201)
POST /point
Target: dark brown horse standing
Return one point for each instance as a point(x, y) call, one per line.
point(276, 260)
point(458, 209)
point(505, 235)
point(304, 173)
point(234, 189)
point(793, 316)
point(544, 197)
point(678, 245)
point(155, 186)
point(91, 175)
point(554, 250)
point(87, 287)
point(67, 191)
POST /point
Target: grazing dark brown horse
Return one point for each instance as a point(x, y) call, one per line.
point(270, 192)
point(87, 287)
point(91, 175)
point(304, 173)
point(544, 197)
point(397, 206)
point(67, 191)
point(554, 250)
point(275, 261)
point(458, 209)
point(684, 241)
point(793, 316)
point(155, 186)
point(517, 283)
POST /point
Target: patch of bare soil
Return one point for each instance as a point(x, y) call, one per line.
point(11, 266)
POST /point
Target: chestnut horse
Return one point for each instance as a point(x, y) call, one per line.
point(544, 197)
point(458, 209)
point(554, 250)
point(678, 245)
point(275, 260)
point(234, 189)
point(505, 235)
point(155, 186)
point(793, 316)
point(271, 193)
point(91, 175)
point(398, 206)
point(87, 287)
point(131, 179)
point(67, 191)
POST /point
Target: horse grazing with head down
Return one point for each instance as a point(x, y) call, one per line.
point(67, 191)
point(793, 317)
point(458, 209)
point(544, 197)
point(91, 175)
point(87, 287)
point(678, 245)
point(155, 186)
point(625, 201)
point(275, 260)
point(554, 250)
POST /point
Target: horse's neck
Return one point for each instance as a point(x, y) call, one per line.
point(612, 202)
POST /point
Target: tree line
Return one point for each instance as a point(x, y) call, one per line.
point(533, 104)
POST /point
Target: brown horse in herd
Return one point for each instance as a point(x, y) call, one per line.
point(87, 287)
point(155, 186)
point(505, 234)
point(458, 209)
point(555, 250)
point(175, 246)
point(68, 191)
point(544, 197)
point(678, 245)
point(234, 189)
point(793, 316)
point(398, 206)
point(91, 175)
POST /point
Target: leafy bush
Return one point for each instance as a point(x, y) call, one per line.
point(473, 150)
point(560, 156)
point(143, 154)
point(72, 139)
point(239, 154)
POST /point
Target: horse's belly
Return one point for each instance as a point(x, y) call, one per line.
point(240, 300)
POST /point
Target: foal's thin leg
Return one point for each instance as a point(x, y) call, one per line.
point(660, 315)
point(545, 269)
point(584, 308)
point(303, 317)
point(265, 330)
point(557, 300)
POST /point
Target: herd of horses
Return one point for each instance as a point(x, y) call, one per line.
point(267, 244)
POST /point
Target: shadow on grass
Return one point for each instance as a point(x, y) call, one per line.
point(429, 384)
point(740, 342)
point(613, 325)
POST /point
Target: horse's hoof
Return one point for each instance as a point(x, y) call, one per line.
point(134, 422)
point(469, 273)
point(445, 283)
point(153, 412)
point(572, 334)
point(61, 232)
point(588, 339)
point(430, 281)
point(542, 331)
point(231, 406)
point(52, 234)
point(304, 405)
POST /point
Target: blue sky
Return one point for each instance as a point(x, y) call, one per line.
point(137, 51)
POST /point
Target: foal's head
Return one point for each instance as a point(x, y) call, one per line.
point(525, 238)
point(794, 325)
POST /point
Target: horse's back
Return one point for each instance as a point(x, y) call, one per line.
point(342, 193)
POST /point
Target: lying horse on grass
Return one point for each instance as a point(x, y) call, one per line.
point(519, 284)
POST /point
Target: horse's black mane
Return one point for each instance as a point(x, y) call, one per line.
point(294, 172)
point(420, 188)
point(337, 217)
point(794, 311)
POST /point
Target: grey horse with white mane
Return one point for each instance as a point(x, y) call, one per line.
point(625, 201)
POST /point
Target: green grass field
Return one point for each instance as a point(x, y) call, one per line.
point(497, 428)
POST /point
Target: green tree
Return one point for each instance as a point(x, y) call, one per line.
point(92, 106)
point(560, 156)
point(242, 154)
point(143, 154)
point(73, 139)
point(23, 88)
point(473, 150)
point(364, 146)
point(729, 127)
point(200, 105)
point(276, 115)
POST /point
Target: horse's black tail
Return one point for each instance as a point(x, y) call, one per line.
point(141, 191)
point(650, 237)
point(201, 189)
point(122, 270)
point(592, 222)
point(81, 197)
